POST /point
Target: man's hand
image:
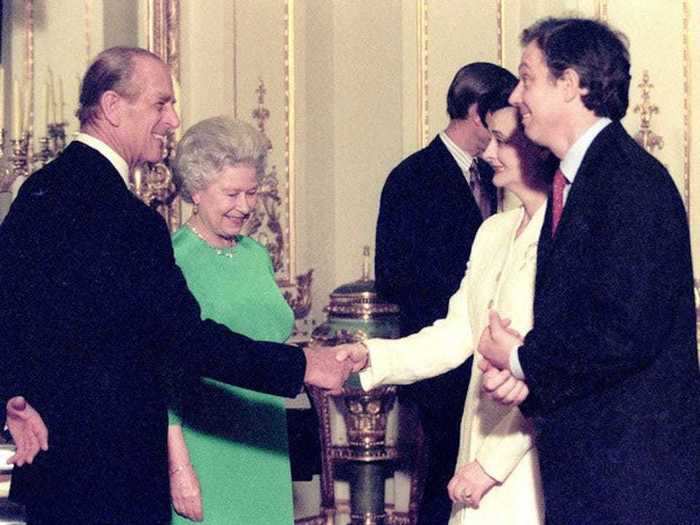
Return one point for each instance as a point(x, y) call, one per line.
point(469, 484)
point(186, 493)
point(498, 340)
point(356, 354)
point(27, 429)
point(501, 386)
point(324, 370)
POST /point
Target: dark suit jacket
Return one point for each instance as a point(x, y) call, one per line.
point(92, 306)
point(427, 222)
point(611, 360)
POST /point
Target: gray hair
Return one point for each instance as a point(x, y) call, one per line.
point(112, 70)
point(213, 144)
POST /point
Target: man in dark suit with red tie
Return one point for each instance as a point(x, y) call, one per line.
point(609, 371)
point(94, 308)
point(432, 204)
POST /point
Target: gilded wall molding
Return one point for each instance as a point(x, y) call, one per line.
point(234, 80)
point(88, 31)
point(153, 183)
point(602, 13)
point(686, 105)
point(646, 137)
point(422, 70)
point(290, 134)
point(163, 32)
point(500, 33)
point(29, 64)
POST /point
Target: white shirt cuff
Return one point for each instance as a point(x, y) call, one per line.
point(514, 364)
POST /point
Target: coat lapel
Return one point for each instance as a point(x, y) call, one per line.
point(440, 155)
point(574, 219)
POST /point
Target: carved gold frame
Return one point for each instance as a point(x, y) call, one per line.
point(422, 70)
point(164, 32)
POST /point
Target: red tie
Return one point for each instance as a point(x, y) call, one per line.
point(558, 186)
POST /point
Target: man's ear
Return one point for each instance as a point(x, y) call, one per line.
point(572, 84)
point(473, 114)
point(111, 106)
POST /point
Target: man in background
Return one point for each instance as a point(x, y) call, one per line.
point(432, 204)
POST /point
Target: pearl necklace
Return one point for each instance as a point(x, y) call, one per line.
point(226, 252)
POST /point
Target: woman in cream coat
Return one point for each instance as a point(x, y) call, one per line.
point(497, 476)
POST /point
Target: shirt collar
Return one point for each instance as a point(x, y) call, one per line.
point(112, 156)
point(572, 160)
point(464, 160)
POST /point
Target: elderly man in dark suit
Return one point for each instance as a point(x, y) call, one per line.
point(432, 204)
point(611, 362)
point(94, 309)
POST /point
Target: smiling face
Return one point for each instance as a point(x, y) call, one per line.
point(147, 119)
point(540, 98)
point(505, 150)
point(225, 204)
point(518, 163)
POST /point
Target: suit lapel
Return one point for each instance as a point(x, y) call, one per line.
point(440, 155)
point(573, 223)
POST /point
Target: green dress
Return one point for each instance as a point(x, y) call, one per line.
point(237, 438)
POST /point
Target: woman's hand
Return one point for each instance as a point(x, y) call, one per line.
point(185, 492)
point(354, 353)
point(469, 484)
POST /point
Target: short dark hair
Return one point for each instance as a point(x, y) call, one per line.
point(497, 98)
point(472, 82)
point(596, 52)
point(112, 69)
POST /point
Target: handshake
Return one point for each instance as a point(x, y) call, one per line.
point(328, 367)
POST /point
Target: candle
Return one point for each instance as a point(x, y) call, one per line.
point(47, 94)
point(2, 97)
point(52, 99)
point(27, 99)
point(60, 99)
point(16, 110)
point(176, 95)
point(136, 174)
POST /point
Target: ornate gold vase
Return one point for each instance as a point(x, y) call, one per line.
point(355, 313)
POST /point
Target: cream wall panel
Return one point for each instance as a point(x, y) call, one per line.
point(206, 66)
point(315, 145)
point(414, 41)
point(367, 117)
point(459, 32)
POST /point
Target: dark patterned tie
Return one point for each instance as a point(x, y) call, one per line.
point(558, 186)
point(480, 196)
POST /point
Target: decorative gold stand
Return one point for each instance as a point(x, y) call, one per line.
point(355, 313)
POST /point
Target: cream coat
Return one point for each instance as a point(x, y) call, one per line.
point(500, 275)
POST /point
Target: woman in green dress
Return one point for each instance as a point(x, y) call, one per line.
point(237, 439)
